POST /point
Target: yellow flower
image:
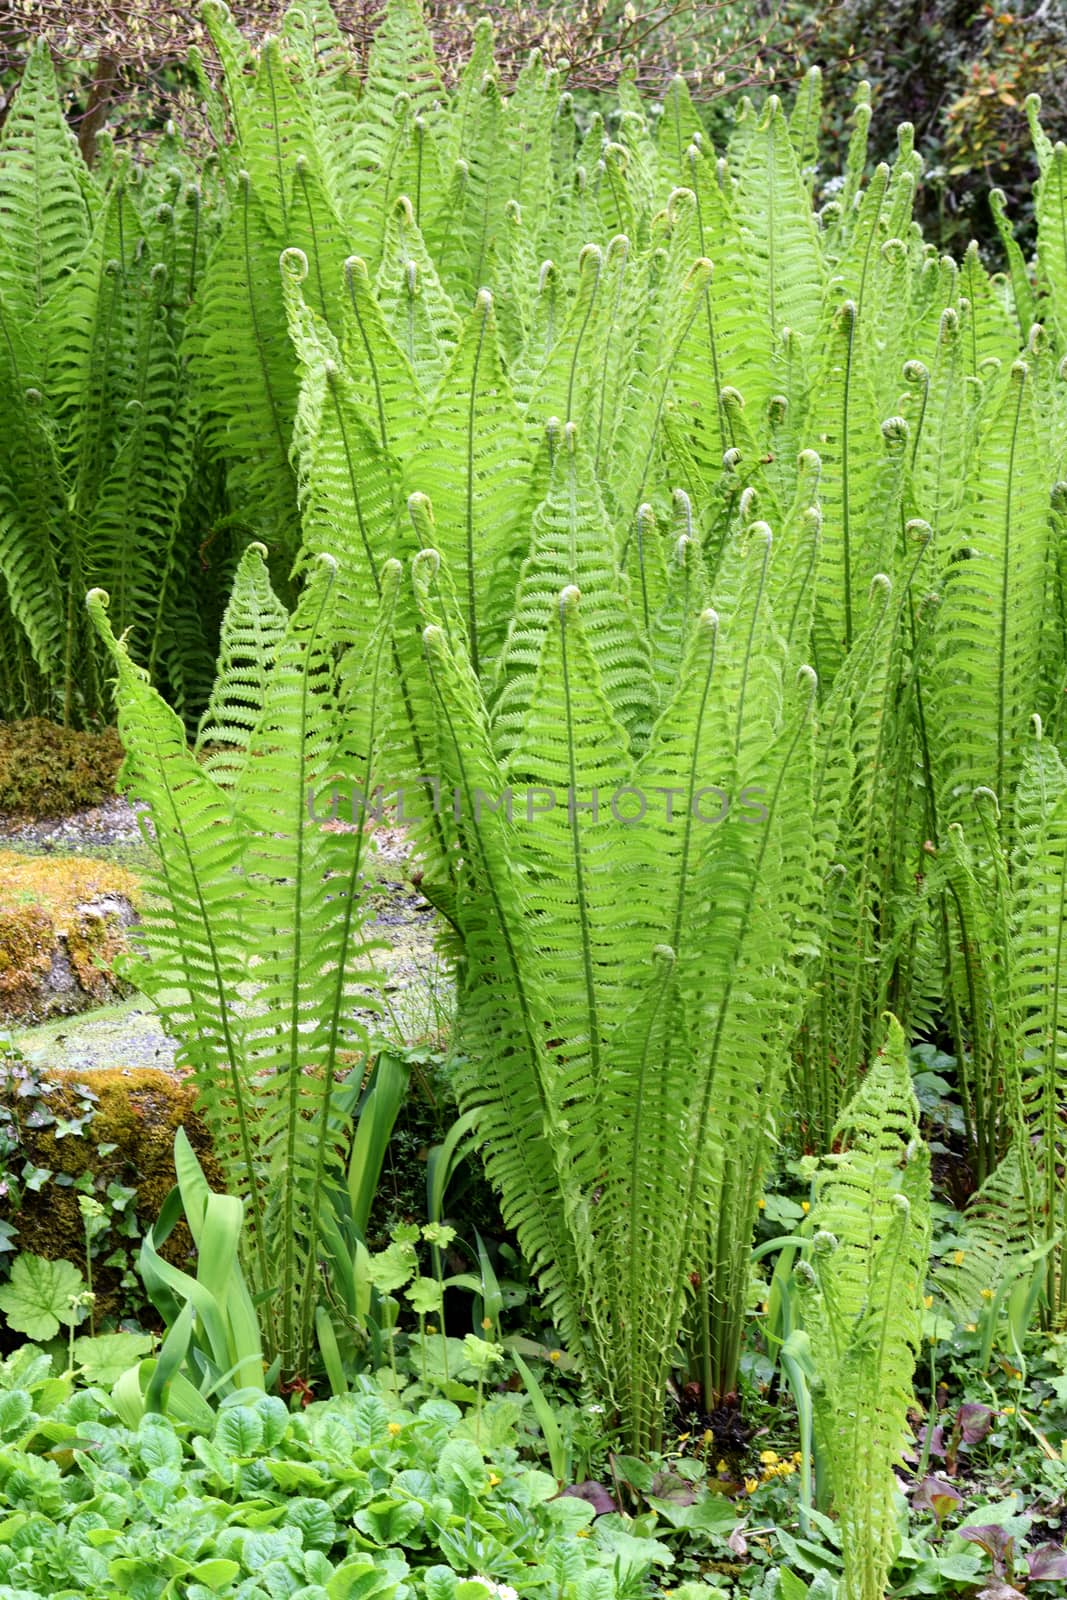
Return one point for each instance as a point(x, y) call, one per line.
point(751, 1485)
point(394, 1429)
point(957, 1256)
point(554, 1355)
point(928, 1301)
point(581, 1533)
point(987, 1294)
point(682, 1438)
point(709, 1437)
point(761, 1204)
point(1007, 1411)
point(720, 1466)
point(487, 1323)
point(768, 1457)
point(972, 1327)
point(493, 1480)
point(798, 1455)
point(805, 1206)
point(430, 1328)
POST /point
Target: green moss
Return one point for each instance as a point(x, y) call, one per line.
point(127, 1140)
point(26, 939)
point(49, 771)
point(45, 899)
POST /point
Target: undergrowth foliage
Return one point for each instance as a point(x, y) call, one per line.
point(733, 529)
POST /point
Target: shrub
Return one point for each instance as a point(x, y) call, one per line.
point(576, 385)
point(960, 72)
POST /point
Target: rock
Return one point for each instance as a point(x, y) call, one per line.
point(109, 1133)
point(64, 924)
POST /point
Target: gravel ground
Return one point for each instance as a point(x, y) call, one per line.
point(97, 831)
point(417, 985)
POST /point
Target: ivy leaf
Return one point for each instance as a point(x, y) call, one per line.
point(38, 1296)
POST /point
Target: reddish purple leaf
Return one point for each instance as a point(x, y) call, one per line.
point(973, 1420)
point(596, 1494)
point(935, 1495)
point(1046, 1562)
point(998, 1545)
point(671, 1486)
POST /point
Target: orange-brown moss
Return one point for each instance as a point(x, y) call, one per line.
point(49, 771)
point(139, 1110)
point(48, 902)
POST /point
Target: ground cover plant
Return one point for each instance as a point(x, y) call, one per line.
point(683, 565)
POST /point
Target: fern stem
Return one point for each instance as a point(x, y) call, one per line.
point(472, 597)
point(351, 895)
point(294, 1075)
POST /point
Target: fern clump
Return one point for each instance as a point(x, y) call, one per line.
point(102, 421)
point(254, 940)
point(862, 1290)
point(688, 559)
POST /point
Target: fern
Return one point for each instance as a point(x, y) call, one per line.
point(988, 641)
point(862, 1307)
point(242, 867)
point(650, 440)
point(47, 197)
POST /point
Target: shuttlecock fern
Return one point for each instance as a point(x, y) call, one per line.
point(254, 938)
point(862, 1289)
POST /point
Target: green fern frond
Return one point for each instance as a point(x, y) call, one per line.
point(347, 484)
point(401, 61)
point(419, 314)
point(469, 460)
point(843, 218)
point(45, 211)
point(1052, 238)
point(804, 119)
point(247, 371)
point(861, 1306)
point(678, 123)
point(1022, 293)
point(252, 628)
point(571, 545)
point(986, 649)
point(275, 128)
point(783, 245)
point(34, 531)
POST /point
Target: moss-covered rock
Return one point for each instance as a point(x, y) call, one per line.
point(107, 1133)
point(49, 771)
point(63, 923)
